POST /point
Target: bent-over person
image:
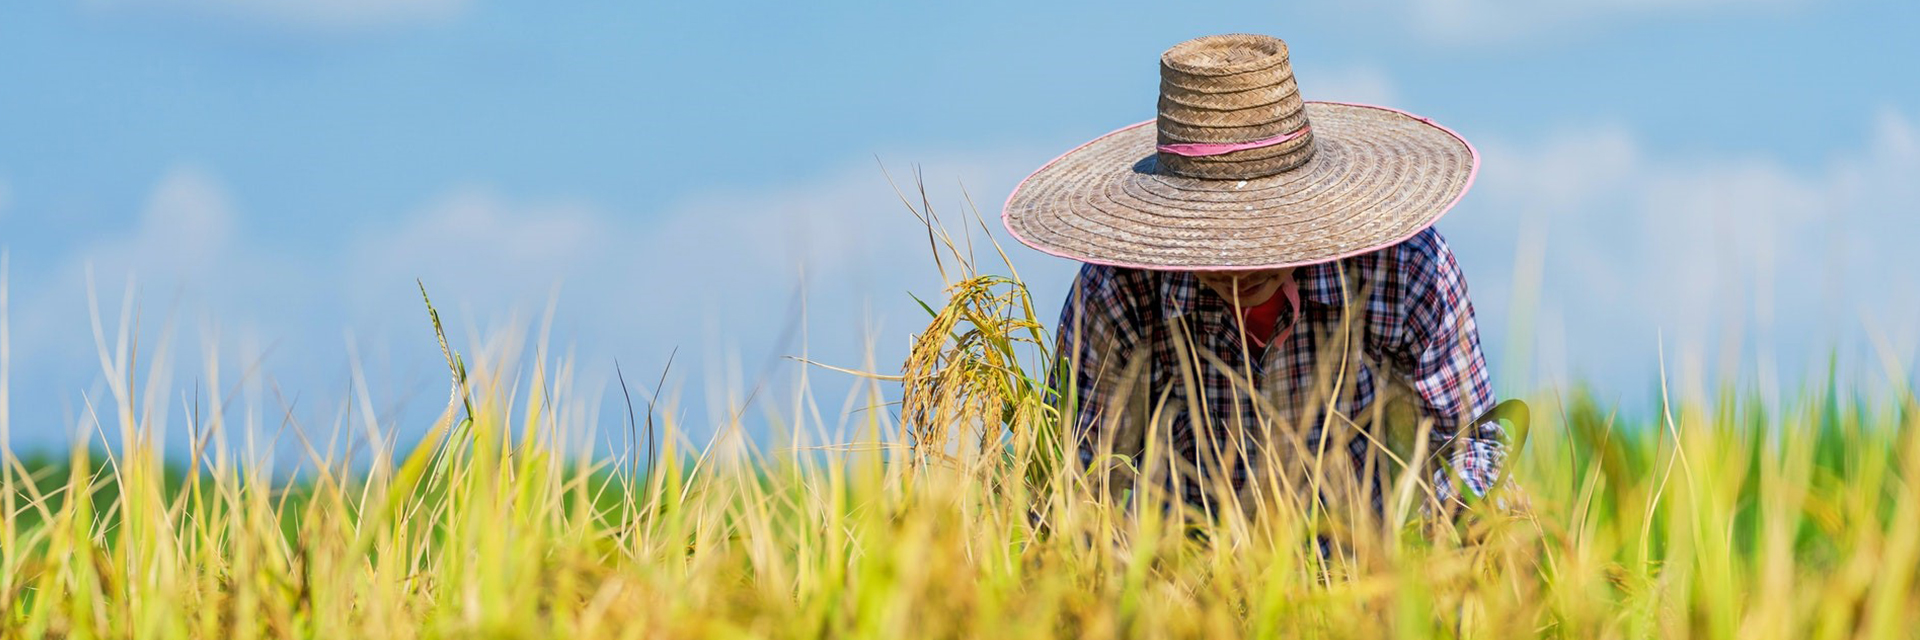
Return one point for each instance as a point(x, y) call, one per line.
point(1265, 305)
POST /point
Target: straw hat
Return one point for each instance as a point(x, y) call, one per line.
point(1237, 172)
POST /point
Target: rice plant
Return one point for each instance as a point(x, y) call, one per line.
point(958, 512)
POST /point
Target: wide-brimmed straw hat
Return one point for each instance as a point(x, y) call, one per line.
point(1237, 172)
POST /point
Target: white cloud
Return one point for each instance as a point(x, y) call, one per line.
point(1708, 252)
point(723, 266)
point(183, 238)
point(1484, 21)
point(188, 250)
point(182, 251)
point(714, 276)
point(473, 242)
point(1720, 256)
point(186, 224)
point(300, 15)
point(1640, 243)
point(1364, 85)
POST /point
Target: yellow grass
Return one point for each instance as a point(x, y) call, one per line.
point(1729, 519)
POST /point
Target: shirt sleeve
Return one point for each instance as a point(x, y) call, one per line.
point(1449, 373)
point(1099, 333)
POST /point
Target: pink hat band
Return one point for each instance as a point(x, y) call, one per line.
point(1203, 149)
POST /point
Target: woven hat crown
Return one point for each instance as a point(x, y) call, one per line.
point(1231, 90)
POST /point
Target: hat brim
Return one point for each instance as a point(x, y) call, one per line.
point(1377, 177)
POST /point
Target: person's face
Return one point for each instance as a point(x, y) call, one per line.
point(1247, 288)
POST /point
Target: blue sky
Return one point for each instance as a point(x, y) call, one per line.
point(1734, 179)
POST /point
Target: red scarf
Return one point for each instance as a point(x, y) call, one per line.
point(1262, 321)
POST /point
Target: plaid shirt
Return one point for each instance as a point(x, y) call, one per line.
point(1410, 315)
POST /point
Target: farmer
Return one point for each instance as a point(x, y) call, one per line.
point(1264, 293)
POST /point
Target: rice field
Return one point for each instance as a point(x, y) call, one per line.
point(952, 513)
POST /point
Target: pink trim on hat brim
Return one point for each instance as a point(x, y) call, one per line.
point(1472, 173)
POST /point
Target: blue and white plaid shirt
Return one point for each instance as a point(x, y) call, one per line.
point(1409, 313)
